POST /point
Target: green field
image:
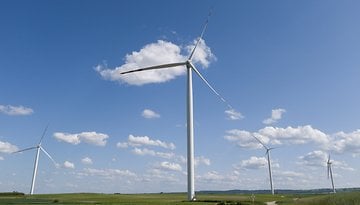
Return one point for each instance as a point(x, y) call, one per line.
point(348, 198)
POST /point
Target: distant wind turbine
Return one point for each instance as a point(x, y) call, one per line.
point(329, 172)
point(190, 117)
point(38, 148)
point(269, 162)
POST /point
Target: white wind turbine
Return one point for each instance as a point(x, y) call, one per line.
point(269, 162)
point(38, 147)
point(189, 102)
point(329, 172)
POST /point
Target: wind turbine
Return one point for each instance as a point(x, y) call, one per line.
point(269, 163)
point(329, 171)
point(189, 102)
point(38, 147)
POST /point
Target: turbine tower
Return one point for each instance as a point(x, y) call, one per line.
point(269, 163)
point(330, 175)
point(190, 111)
point(38, 147)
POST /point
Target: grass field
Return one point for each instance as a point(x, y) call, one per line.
point(350, 198)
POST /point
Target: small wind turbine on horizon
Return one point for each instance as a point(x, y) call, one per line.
point(269, 162)
point(190, 117)
point(38, 147)
point(330, 174)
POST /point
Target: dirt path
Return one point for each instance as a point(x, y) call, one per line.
point(271, 203)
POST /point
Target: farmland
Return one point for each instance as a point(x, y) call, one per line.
point(346, 198)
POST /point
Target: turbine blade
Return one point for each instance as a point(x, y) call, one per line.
point(328, 170)
point(30, 148)
point(169, 65)
point(201, 35)
point(42, 149)
point(266, 147)
point(271, 148)
point(208, 84)
point(43, 135)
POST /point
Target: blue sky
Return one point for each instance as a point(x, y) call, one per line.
point(290, 70)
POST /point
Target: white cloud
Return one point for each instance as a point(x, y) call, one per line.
point(69, 138)
point(346, 142)
point(122, 145)
point(93, 138)
point(6, 147)
point(211, 176)
point(149, 114)
point(341, 165)
point(143, 152)
point(199, 160)
point(319, 158)
point(108, 172)
point(275, 116)
point(315, 158)
point(233, 114)
point(295, 135)
point(277, 136)
point(203, 54)
point(69, 165)
point(253, 163)
point(139, 141)
point(1, 158)
point(87, 161)
point(339, 142)
point(161, 52)
point(170, 166)
point(15, 110)
point(290, 174)
point(202, 160)
point(244, 138)
point(162, 175)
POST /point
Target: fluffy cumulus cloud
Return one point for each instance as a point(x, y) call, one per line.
point(233, 115)
point(94, 138)
point(276, 115)
point(149, 114)
point(211, 176)
point(202, 160)
point(315, 158)
point(138, 141)
point(6, 147)
point(346, 142)
point(108, 172)
point(253, 163)
point(86, 161)
point(244, 138)
point(340, 142)
point(203, 54)
point(149, 152)
point(15, 110)
point(161, 52)
point(278, 136)
point(294, 135)
point(319, 158)
point(290, 174)
point(170, 166)
point(69, 165)
point(122, 145)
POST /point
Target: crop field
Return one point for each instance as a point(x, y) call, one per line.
point(349, 198)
